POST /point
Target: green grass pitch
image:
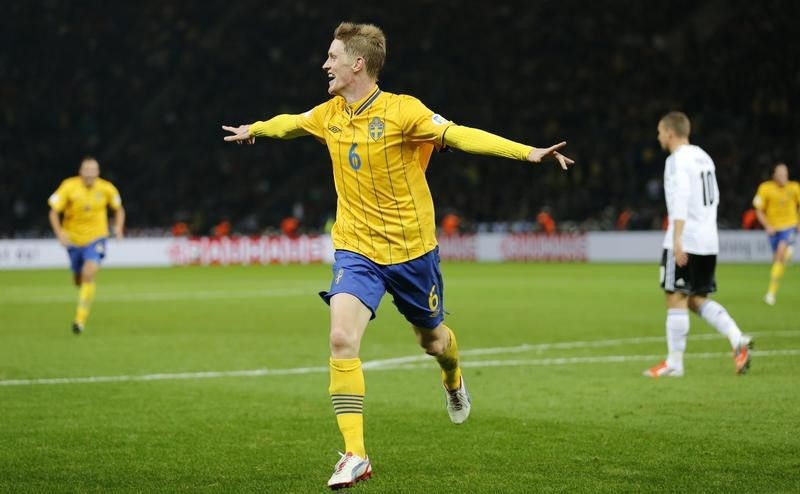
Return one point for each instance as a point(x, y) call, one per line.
point(552, 353)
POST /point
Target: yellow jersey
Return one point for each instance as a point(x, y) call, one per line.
point(85, 208)
point(380, 147)
point(779, 204)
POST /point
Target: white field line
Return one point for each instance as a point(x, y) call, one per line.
point(568, 345)
point(159, 297)
point(593, 360)
point(424, 361)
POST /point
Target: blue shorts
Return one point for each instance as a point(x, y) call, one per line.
point(415, 285)
point(786, 236)
point(94, 251)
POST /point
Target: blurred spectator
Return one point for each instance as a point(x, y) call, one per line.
point(450, 224)
point(221, 229)
point(180, 229)
point(546, 222)
point(623, 220)
point(289, 226)
point(750, 220)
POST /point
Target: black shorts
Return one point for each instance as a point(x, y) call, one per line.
point(694, 278)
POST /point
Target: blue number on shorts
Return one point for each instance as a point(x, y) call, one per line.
point(355, 159)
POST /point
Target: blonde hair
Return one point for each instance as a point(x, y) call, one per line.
point(366, 41)
point(678, 122)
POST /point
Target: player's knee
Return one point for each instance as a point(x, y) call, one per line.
point(432, 343)
point(343, 341)
point(695, 302)
point(434, 349)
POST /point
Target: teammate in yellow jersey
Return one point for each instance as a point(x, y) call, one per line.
point(777, 204)
point(83, 203)
point(384, 234)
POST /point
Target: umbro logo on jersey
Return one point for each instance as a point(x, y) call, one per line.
point(334, 129)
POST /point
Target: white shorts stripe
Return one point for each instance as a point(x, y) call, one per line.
point(669, 276)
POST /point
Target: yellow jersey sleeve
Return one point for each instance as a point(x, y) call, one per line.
point(478, 141)
point(58, 199)
point(288, 126)
point(278, 127)
point(796, 193)
point(421, 124)
point(760, 199)
point(112, 196)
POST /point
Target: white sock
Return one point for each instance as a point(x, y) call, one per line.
point(677, 331)
point(718, 317)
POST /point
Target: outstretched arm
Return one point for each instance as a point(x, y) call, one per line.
point(278, 127)
point(481, 142)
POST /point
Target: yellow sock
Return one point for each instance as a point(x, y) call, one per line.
point(775, 274)
point(85, 297)
point(347, 395)
point(448, 361)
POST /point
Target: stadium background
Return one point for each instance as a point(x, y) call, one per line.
point(215, 379)
point(145, 86)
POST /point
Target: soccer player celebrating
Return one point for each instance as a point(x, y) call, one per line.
point(690, 246)
point(384, 235)
point(777, 203)
point(83, 201)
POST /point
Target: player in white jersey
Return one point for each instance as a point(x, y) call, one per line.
point(691, 245)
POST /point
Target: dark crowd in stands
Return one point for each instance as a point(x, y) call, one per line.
point(145, 86)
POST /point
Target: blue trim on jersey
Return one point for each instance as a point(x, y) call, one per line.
point(366, 104)
point(78, 256)
point(416, 285)
point(787, 236)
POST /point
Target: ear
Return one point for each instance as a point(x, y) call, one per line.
point(359, 64)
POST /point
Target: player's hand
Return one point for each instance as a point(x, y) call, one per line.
point(240, 134)
point(63, 239)
point(118, 234)
point(681, 257)
point(770, 231)
point(538, 154)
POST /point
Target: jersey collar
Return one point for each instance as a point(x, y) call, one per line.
point(361, 105)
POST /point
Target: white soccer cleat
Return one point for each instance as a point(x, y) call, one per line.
point(663, 370)
point(350, 469)
point(458, 403)
point(769, 299)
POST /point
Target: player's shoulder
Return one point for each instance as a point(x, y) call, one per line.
point(70, 182)
point(106, 184)
point(691, 154)
point(764, 187)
